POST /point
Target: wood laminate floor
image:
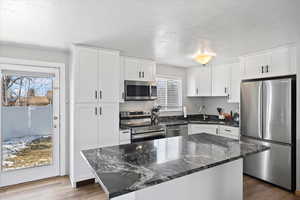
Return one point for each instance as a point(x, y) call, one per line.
point(59, 188)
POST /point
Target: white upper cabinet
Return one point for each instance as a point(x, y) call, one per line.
point(235, 82)
point(131, 69)
point(220, 80)
point(204, 81)
point(274, 62)
point(86, 75)
point(199, 81)
point(280, 63)
point(97, 75)
point(192, 80)
point(254, 65)
point(109, 74)
point(148, 70)
point(138, 69)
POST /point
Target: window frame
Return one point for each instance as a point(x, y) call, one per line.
point(180, 92)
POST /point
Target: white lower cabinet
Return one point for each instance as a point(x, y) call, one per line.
point(95, 125)
point(108, 124)
point(125, 136)
point(228, 131)
point(225, 131)
point(85, 137)
point(202, 128)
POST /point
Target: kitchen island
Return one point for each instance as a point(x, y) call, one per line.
point(200, 166)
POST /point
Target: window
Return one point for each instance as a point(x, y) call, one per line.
point(169, 93)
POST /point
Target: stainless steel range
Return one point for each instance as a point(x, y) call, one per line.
point(140, 124)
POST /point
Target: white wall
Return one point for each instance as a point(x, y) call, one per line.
point(211, 104)
point(37, 53)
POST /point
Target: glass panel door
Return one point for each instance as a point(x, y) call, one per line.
point(29, 124)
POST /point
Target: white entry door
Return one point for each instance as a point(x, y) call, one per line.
point(29, 133)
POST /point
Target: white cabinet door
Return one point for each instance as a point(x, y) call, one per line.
point(109, 124)
point(280, 63)
point(254, 66)
point(86, 75)
point(203, 128)
point(231, 132)
point(109, 73)
point(192, 82)
point(235, 82)
point(203, 81)
point(147, 70)
point(85, 137)
point(220, 80)
point(132, 69)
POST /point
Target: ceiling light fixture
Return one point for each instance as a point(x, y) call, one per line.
point(204, 57)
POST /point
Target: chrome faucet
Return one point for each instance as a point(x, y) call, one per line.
point(202, 111)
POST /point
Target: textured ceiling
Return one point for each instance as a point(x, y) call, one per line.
point(168, 31)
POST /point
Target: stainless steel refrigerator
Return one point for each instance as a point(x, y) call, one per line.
point(268, 116)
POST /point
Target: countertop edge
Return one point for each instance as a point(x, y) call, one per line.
point(189, 172)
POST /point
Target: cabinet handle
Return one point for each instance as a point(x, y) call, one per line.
point(100, 94)
point(197, 91)
point(100, 110)
point(96, 112)
point(96, 94)
point(143, 74)
point(262, 69)
point(225, 90)
point(227, 130)
point(217, 131)
point(139, 74)
point(267, 68)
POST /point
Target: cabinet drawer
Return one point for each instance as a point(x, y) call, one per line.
point(227, 130)
point(125, 135)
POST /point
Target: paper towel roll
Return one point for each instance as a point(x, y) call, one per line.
point(184, 112)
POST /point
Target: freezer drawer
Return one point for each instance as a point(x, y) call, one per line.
point(277, 110)
point(251, 109)
point(274, 165)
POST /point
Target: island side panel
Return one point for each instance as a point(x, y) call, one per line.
point(129, 196)
point(221, 182)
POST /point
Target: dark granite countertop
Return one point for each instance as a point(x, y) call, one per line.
point(127, 168)
point(173, 122)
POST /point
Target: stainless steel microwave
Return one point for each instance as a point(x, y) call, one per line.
point(140, 91)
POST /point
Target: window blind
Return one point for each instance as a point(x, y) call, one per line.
point(169, 93)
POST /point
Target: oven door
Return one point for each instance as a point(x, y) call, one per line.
point(137, 90)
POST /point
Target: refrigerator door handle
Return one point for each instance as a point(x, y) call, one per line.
point(260, 104)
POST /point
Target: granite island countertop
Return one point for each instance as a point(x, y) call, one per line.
point(127, 168)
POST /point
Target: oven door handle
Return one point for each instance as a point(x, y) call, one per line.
point(147, 135)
